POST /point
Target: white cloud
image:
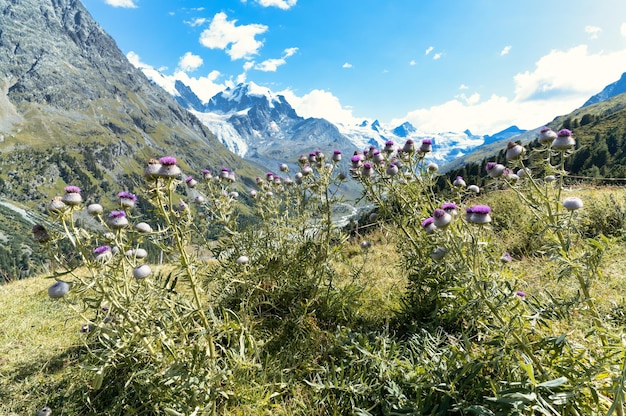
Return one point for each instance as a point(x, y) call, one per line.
point(437, 56)
point(238, 41)
point(130, 4)
point(281, 4)
point(271, 65)
point(204, 87)
point(622, 29)
point(429, 50)
point(346, 65)
point(560, 82)
point(463, 87)
point(196, 22)
point(505, 50)
point(321, 104)
point(189, 62)
point(412, 62)
point(593, 31)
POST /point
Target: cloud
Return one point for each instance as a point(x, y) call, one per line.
point(189, 62)
point(271, 65)
point(556, 85)
point(437, 56)
point(346, 65)
point(238, 41)
point(593, 31)
point(428, 50)
point(281, 4)
point(204, 87)
point(130, 4)
point(412, 62)
point(320, 104)
point(505, 50)
point(196, 22)
point(463, 87)
point(622, 29)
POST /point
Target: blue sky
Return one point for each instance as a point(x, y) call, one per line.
point(448, 65)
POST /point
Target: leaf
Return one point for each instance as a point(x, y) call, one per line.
point(554, 383)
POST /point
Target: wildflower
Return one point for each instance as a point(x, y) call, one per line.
point(206, 174)
point(373, 217)
point(480, 214)
point(231, 176)
point(199, 199)
point(427, 146)
point(506, 258)
point(546, 135)
point(550, 178)
point(58, 289)
point(564, 141)
point(441, 218)
point(137, 253)
point(182, 206)
point(377, 157)
point(94, 209)
point(56, 205)
point(191, 182)
point(429, 225)
point(141, 272)
point(459, 182)
point(242, 260)
point(224, 173)
point(72, 196)
point(450, 208)
point(336, 155)
point(409, 146)
point(46, 411)
point(468, 214)
point(520, 294)
point(168, 168)
point(152, 169)
point(356, 161)
point(117, 219)
point(572, 203)
point(432, 167)
point(365, 245)
point(514, 151)
point(474, 188)
point(494, 169)
point(367, 170)
point(143, 227)
point(392, 169)
point(127, 200)
point(40, 234)
point(306, 170)
point(312, 157)
point(438, 253)
point(102, 253)
point(523, 173)
point(389, 145)
point(298, 177)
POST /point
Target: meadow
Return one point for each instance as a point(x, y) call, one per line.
point(503, 300)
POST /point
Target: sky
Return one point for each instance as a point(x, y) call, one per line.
point(482, 65)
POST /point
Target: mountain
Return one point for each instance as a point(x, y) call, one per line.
point(611, 90)
point(73, 109)
point(263, 127)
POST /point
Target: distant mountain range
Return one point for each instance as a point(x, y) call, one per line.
point(611, 90)
point(260, 126)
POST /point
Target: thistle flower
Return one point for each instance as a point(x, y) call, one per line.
point(223, 173)
point(137, 253)
point(46, 411)
point(94, 209)
point(117, 219)
point(365, 245)
point(520, 294)
point(152, 168)
point(450, 208)
point(474, 188)
point(56, 205)
point(312, 157)
point(127, 200)
point(306, 170)
point(524, 173)
point(356, 161)
point(102, 253)
point(572, 203)
point(298, 177)
point(392, 169)
point(58, 289)
point(143, 227)
point(377, 157)
point(480, 214)
point(242, 260)
point(429, 225)
point(432, 167)
point(441, 218)
point(206, 174)
point(550, 178)
point(427, 146)
point(494, 170)
point(40, 234)
point(409, 146)
point(336, 155)
point(191, 182)
point(546, 135)
point(514, 151)
point(72, 196)
point(564, 141)
point(168, 168)
point(367, 170)
point(199, 199)
point(389, 146)
point(439, 253)
point(506, 258)
point(460, 182)
point(141, 272)
point(231, 176)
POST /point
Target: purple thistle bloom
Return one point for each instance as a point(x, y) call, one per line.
point(438, 213)
point(117, 214)
point(490, 165)
point(356, 160)
point(481, 209)
point(101, 249)
point(545, 129)
point(127, 195)
point(72, 189)
point(506, 258)
point(168, 160)
point(427, 222)
point(564, 133)
point(449, 206)
point(520, 294)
